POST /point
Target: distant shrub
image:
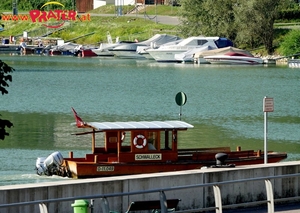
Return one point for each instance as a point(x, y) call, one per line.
point(291, 44)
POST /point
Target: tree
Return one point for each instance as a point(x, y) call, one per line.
point(242, 21)
point(192, 18)
point(208, 17)
point(256, 20)
point(5, 76)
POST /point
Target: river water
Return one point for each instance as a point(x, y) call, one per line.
point(224, 103)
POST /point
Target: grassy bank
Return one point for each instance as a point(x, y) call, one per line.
point(125, 27)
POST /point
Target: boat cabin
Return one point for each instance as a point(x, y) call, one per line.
point(129, 142)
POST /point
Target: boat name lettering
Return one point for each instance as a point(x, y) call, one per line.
point(105, 168)
point(148, 157)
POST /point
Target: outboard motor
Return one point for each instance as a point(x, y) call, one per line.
point(50, 165)
point(220, 159)
point(40, 166)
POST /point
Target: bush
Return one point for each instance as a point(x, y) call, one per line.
point(291, 44)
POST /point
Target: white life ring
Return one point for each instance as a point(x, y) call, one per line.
point(135, 141)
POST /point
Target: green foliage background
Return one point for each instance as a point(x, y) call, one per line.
point(26, 5)
point(141, 27)
point(291, 44)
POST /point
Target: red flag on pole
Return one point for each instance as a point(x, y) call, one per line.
point(79, 121)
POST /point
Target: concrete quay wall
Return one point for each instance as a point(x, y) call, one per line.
point(191, 198)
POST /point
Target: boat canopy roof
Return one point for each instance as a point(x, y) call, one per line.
point(137, 125)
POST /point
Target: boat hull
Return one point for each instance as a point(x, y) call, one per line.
point(101, 52)
point(127, 54)
point(88, 53)
point(165, 56)
point(225, 59)
point(84, 169)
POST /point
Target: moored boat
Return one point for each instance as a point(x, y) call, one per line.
point(233, 58)
point(129, 50)
point(166, 53)
point(148, 147)
point(227, 55)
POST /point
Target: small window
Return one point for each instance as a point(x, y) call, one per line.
point(166, 140)
point(152, 140)
point(202, 41)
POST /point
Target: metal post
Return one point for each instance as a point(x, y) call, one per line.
point(145, 9)
point(43, 208)
point(265, 137)
point(180, 113)
point(268, 106)
point(218, 198)
point(270, 196)
point(136, 10)
point(104, 205)
point(15, 7)
point(155, 11)
point(92, 206)
point(163, 202)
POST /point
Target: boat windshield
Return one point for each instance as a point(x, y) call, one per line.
point(223, 42)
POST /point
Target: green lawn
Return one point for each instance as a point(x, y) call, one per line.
point(124, 27)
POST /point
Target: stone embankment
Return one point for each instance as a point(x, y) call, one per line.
point(278, 58)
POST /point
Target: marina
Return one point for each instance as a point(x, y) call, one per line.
point(224, 104)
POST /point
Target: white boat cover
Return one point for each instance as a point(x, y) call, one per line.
point(157, 39)
point(219, 51)
point(135, 125)
point(189, 55)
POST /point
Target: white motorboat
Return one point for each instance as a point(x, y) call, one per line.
point(129, 50)
point(233, 58)
point(142, 50)
point(166, 53)
point(103, 48)
point(200, 55)
point(188, 56)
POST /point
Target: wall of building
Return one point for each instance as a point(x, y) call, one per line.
point(190, 198)
point(99, 3)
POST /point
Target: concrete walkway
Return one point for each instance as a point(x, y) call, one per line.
point(170, 20)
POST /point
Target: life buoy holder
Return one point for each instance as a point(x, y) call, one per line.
point(135, 141)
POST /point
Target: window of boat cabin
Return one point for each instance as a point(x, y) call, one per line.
point(166, 140)
point(198, 42)
point(99, 139)
point(113, 138)
point(153, 141)
point(126, 143)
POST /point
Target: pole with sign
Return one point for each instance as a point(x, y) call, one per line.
point(180, 100)
point(268, 106)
